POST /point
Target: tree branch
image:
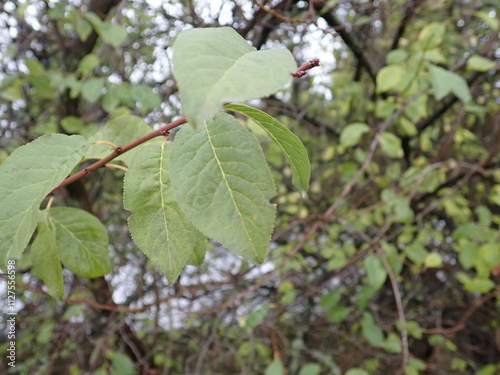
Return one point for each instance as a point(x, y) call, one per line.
point(120, 150)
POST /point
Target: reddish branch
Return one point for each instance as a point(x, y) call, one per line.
point(302, 70)
point(120, 150)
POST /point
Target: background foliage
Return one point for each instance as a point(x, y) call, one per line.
point(389, 264)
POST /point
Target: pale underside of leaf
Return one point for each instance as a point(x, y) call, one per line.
point(223, 184)
point(215, 66)
point(294, 150)
point(158, 225)
point(26, 177)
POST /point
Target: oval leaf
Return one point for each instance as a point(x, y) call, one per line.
point(216, 65)
point(82, 241)
point(26, 177)
point(294, 150)
point(352, 133)
point(158, 225)
point(223, 184)
point(46, 264)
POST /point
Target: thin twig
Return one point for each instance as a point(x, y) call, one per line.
point(120, 150)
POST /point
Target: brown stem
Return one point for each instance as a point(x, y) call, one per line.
point(120, 150)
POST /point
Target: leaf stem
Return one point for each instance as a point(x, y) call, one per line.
point(120, 150)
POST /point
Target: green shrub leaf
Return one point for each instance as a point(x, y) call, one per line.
point(82, 241)
point(223, 184)
point(216, 65)
point(45, 258)
point(293, 148)
point(158, 225)
point(26, 177)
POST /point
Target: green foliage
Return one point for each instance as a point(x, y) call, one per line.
point(390, 215)
point(26, 177)
point(215, 66)
point(158, 225)
point(222, 183)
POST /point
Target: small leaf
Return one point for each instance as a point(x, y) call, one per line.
point(479, 285)
point(396, 56)
point(82, 241)
point(45, 258)
point(357, 371)
point(121, 363)
point(375, 270)
point(371, 331)
point(275, 368)
point(431, 36)
point(113, 34)
point(433, 260)
point(157, 224)
point(222, 183)
point(391, 145)
point(26, 177)
point(256, 317)
point(389, 77)
point(310, 369)
point(352, 133)
point(488, 18)
point(480, 64)
point(88, 63)
point(445, 82)
point(72, 124)
point(290, 144)
point(92, 89)
point(216, 65)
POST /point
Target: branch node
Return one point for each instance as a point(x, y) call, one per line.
point(302, 70)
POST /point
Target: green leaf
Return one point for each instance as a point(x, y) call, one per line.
point(121, 363)
point(396, 56)
point(445, 82)
point(356, 371)
point(216, 65)
point(88, 63)
point(431, 36)
point(371, 331)
point(34, 67)
point(375, 270)
point(480, 64)
point(45, 258)
point(290, 144)
point(72, 124)
point(82, 241)
point(389, 77)
point(338, 314)
point(433, 260)
point(489, 18)
point(256, 317)
point(158, 225)
point(391, 145)
point(223, 184)
point(26, 177)
point(352, 133)
point(118, 131)
point(416, 253)
point(479, 285)
point(310, 369)
point(275, 368)
point(92, 89)
point(83, 28)
point(113, 34)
